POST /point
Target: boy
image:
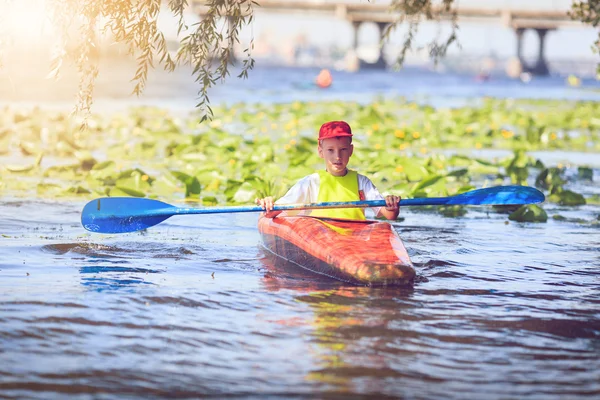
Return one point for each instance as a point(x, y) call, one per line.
point(336, 183)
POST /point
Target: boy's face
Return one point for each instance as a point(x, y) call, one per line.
point(336, 152)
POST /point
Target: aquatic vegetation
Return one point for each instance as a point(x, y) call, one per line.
point(529, 213)
point(582, 221)
point(253, 150)
point(567, 198)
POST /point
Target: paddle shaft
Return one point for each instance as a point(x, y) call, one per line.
point(284, 207)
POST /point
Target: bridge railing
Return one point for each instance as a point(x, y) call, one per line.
point(382, 13)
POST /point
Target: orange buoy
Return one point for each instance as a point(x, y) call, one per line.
point(324, 79)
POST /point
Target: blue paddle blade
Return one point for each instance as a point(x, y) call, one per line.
point(498, 195)
point(124, 214)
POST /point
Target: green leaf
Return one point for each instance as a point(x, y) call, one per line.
point(414, 172)
point(550, 178)
point(430, 181)
point(593, 199)
point(120, 191)
point(567, 198)
point(134, 182)
point(209, 201)
point(167, 186)
point(245, 193)
point(102, 165)
point(20, 168)
point(452, 211)
point(47, 188)
point(529, 213)
point(77, 190)
point(192, 185)
point(585, 173)
point(192, 188)
point(459, 173)
point(231, 188)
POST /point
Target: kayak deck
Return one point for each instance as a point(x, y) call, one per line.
point(359, 252)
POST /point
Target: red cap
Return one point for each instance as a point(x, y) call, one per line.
point(334, 129)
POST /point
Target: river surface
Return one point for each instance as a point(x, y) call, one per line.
point(178, 92)
point(194, 307)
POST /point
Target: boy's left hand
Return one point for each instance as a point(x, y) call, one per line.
point(391, 202)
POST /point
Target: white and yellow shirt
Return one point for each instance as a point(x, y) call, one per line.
point(322, 186)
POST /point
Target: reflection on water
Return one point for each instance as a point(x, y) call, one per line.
point(111, 269)
point(113, 277)
point(455, 337)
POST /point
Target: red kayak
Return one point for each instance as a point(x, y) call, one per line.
point(359, 252)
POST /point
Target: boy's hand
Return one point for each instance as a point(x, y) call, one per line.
point(266, 203)
point(391, 202)
point(392, 208)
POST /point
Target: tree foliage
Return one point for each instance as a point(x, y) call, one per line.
point(412, 12)
point(208, 46)
point(588, 12)
point(135, 24)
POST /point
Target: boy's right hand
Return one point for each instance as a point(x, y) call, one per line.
point(266, 203)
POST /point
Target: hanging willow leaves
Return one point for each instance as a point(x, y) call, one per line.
point(413, 12)
point(208, 41)
point(208, 46)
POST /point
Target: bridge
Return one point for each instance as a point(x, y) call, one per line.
point(520, 20)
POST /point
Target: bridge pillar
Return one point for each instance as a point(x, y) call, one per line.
point(355, 26)
point(541, 66)
point(380, 63)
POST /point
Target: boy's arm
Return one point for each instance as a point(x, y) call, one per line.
point(391, 209)
point(299, 193)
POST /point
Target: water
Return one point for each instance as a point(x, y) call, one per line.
point(178, 92)
point(194, 307)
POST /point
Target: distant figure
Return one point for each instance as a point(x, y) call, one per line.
point(573, 80)
point(324, 79)
point(525, 77)
point(351, 61)
point(485, 69)
point(514, 68)
point(482, 76)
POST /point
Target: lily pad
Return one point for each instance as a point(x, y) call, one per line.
point(567, 198)
point(529, 213)
point(245, 193)
point(26, 168)
point(77, 190)
point(124, 191)
point(209, 201)
point(192, 185)
point(593, 199)
point(550, 178)
point(398, 144)
point(585, 173)
point(452, 211)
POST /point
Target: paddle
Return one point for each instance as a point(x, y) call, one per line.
point(130, 214)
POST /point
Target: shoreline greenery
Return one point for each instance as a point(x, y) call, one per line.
point(256, 149)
